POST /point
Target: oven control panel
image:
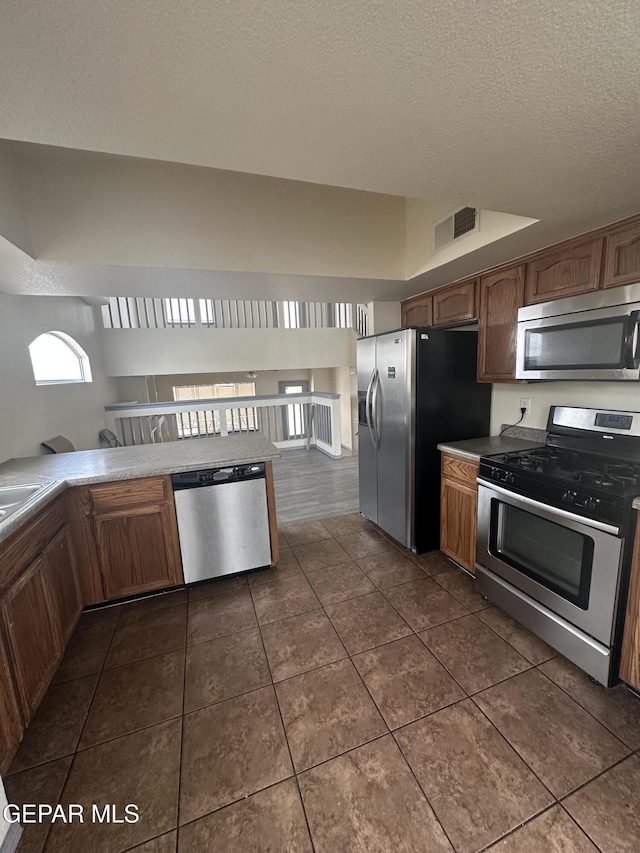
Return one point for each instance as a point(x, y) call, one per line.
point(580, 501)
point(607, 508)
point(500, 476)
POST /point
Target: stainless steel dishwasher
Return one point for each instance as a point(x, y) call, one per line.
point(223, 520)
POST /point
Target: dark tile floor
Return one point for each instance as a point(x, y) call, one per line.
point(356, 698)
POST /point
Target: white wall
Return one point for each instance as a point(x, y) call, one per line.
point(148, 352)
point(421, 216)
point(346, 384)
point(14, 220)
point(28, 413)
point(322, 380)
point(137, 389)
point(505, 402)
point(384, 317)
point(266, 381)
point(99, 208)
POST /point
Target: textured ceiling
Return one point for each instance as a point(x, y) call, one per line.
point(525, 107)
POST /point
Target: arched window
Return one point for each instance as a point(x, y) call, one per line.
point(58, 359)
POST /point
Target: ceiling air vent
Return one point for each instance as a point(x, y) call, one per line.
point(465, 220)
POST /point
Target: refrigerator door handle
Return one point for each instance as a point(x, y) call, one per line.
point(374, 407)
point(367, 405)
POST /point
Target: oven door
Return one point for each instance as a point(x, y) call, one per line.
point(566, 562)
point(598, 344)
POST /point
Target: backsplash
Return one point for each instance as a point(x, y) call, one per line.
point(505, 400)
point(527, 433)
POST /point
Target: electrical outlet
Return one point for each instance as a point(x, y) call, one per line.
point(525, 403)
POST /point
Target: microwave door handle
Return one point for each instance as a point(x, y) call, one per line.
point(630, 344)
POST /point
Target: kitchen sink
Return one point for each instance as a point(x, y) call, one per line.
point(13, 497)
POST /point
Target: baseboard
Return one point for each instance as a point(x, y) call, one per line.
point(11, 839)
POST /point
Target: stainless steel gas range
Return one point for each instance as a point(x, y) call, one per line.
point(555, 533)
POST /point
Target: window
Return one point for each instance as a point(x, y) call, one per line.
point(339, 315)
point(180, 311)
point(295, 315)
point(57, 359)
point(239, 419)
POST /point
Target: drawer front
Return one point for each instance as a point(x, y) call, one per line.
point(126, 494)
point(461, 470)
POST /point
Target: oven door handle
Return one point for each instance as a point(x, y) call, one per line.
point(587, 522)
point(630, 341)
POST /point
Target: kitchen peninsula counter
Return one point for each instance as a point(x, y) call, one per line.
point(57, 472)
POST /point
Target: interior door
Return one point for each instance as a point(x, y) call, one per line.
point(393, 414)
point(367, 447)
point(294, 416)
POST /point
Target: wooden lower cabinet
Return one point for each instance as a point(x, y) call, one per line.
point(63, 581)
point(138, 550)
point(630, 656)
point(10, 717)
point(30, 622)
point(136, 535)
point(39, 608)
point(458, 510)
point(271, 509)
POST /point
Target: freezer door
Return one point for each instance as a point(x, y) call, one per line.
point(393, 416)
point(367, 449)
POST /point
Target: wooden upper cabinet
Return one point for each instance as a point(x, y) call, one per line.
point(136, 536)
point(571, 269)
point(622, 257)
point(501, 294)
point(63, 582)
point(417, 312)
point(30, 622)
point(10, 719)
point(455, 304)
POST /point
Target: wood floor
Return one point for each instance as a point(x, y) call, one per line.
point(310, 485)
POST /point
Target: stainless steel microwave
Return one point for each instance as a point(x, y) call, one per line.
point(592, 337)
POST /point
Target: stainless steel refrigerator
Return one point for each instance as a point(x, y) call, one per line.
point(416, 388)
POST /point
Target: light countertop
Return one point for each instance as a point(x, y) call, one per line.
point(58, 471)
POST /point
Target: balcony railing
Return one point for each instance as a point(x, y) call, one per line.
point(130, 312)
point(288, 420)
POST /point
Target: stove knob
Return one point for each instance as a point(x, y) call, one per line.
point(591, 504)
point(569, 497)
point(508, 478)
